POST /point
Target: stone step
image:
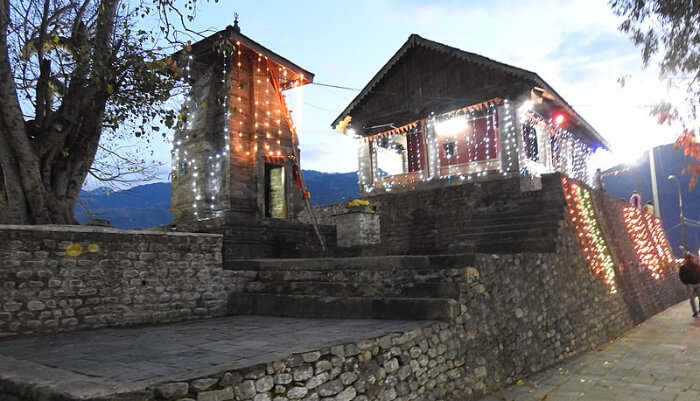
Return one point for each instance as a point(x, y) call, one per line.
point(313, 306)
point(521, 245)
point(357, 287)
point(528, 209)
point(549, 216)
point(363, 263)
point(511, 234)
point(515, 225)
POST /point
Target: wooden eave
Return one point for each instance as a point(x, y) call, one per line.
point(205, 47)
point(529, 76)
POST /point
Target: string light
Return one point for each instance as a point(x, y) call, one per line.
point(650, 243)
point(181, 164)
point(246, 128)
point(583, 217)
point(464, 143)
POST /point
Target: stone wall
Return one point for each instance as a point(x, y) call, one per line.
point(515, 314)
point(60, 278)
point(358, 228)
point(518, 314)
point(440, 218)
point(422, 364)
point(643, 296)
point(266, 238)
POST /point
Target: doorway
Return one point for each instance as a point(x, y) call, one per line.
point(275, 194)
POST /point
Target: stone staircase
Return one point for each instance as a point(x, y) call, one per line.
point(379, 287)
point(527, 228)
point(519, 222)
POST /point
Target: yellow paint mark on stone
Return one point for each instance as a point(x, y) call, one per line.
point(92, 247)
point(74, 250)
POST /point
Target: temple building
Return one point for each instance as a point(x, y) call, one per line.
point(235, 151)
point(235, 157)
point(436, 114)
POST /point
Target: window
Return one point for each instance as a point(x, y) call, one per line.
point(391, 155)
point(530, 142)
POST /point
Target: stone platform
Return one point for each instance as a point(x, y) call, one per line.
point(100, 364)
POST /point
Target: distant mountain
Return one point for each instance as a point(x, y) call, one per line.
point(668, 161)
point(134, 208)
point(327, 188)
point(148, 205)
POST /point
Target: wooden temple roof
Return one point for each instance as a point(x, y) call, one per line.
point(207, 47)
point(414, 41)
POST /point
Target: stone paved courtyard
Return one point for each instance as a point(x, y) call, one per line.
point(658, 360)
point(99, 362)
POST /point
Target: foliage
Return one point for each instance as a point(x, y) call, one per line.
point(71, 70)
point(668, 33)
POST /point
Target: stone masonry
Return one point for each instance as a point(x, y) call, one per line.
point(357, 228)
point(515, 314)
point(70, 278)
point(419, 364)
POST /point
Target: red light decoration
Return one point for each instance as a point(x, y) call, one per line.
point(649, 239)
point(559, 119)
point(583, 217)
point(658, 235)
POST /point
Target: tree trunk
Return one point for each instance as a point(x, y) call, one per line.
point(43, 163)
point(59, 182)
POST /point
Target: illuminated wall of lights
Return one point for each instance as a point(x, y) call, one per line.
point(455, 147)
point(583, 217)
point(649, 240)
point(548, 147)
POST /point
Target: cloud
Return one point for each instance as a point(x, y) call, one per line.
point(336, 153)
point(584, 55)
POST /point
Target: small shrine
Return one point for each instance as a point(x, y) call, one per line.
point(236, 154)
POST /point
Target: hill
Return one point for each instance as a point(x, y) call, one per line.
point(138, 207)
point(147, 205)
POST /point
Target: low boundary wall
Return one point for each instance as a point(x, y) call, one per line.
point(59, 278)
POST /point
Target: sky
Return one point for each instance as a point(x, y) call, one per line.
point(573, 45)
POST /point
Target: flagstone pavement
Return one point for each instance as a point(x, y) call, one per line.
point(658, 360)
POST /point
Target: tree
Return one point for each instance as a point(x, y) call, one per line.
point(668, 32)
point(69, 71)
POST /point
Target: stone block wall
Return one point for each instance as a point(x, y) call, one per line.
point(422, 364)
point(642, 292)
point(433, 219)
point(518, 314)
point(266, 238)
point(61, 278)
point(357, 229)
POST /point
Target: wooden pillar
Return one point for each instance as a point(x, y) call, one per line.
point(365, 176)
point(509, 137)
point(432, 153)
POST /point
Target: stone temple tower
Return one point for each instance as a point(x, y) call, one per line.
point(235, 159)
point(235, 153)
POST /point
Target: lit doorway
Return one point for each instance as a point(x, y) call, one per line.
point(275, 194)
